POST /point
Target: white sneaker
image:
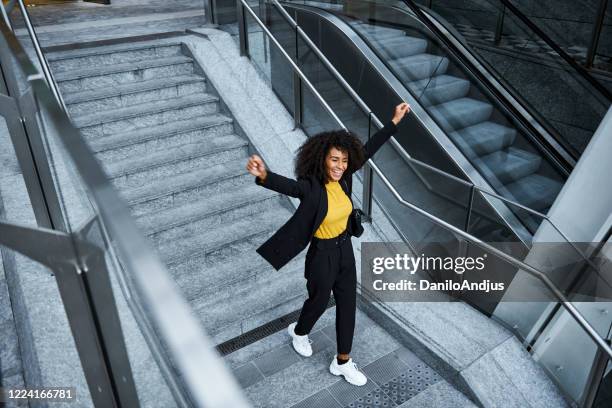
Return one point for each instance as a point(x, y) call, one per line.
point(301, 344)
point(349, 370)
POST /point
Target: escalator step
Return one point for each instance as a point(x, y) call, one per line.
point(399, 47)
point(439, 89)
point(483, 138)
point(460, 113)
point(535, 191)
point(419, 66)
point(511, 164)
point(378, 32)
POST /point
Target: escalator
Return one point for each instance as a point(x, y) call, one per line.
point(469, 121)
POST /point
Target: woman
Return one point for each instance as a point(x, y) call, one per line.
point(324, 167)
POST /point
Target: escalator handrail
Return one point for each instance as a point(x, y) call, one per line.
point(572, 310)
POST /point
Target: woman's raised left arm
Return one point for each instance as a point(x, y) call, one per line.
point(380, 137)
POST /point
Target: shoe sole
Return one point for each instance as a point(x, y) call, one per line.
point(338, 373)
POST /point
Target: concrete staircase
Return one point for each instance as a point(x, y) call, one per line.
point(175, 156)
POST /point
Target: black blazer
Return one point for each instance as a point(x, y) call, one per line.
point(294, 236)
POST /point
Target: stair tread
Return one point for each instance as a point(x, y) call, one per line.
point(208, 278)
point(182, 214)
point(117, 140)
point(263, 296)
point(101, 70)
point(179, 153)
point(113, 115)
point(485, 137)
point(180, 182)
point(128, 88)
point(109, 49)
point(222, 235)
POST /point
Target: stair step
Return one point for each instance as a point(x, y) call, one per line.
point(535, 191)
point(460, 113)
point(138, 170)
point(144, 141)
point(111, 54)
point(439, 89)
point(209, 273)
point(511, 164)
point(192, 218)
point(208, 240)
point(419, 66)
point(188, 187)
point(208, 280)
point(483, 138)
point(145, 115)
point(96, 100)
point(113, 75)
point(399, 47)
point(230, 313)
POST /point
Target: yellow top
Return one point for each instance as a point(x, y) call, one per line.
point(339, 208)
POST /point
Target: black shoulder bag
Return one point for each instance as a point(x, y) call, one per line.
point(354, 222)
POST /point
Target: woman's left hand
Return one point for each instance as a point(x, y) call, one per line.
point(400, 111)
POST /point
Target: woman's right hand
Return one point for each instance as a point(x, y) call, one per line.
point(256, 167)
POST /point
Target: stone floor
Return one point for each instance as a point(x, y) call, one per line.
point(274, 375)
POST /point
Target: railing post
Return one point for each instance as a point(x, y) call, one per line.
point(85, 289)
point(297, 88)
point(469, 209)
point(499, 28)
point(242, 29)
point(599, 19)
point(209, 12)
point(368, 178)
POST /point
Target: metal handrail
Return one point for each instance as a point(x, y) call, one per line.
point(5, 17)
point(41, 57)
point(601, 343)
point(202, 369)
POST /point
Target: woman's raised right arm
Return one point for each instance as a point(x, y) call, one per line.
point(276, 182)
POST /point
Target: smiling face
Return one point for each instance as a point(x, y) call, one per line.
point(336, 163)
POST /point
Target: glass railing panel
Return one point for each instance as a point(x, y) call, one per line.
point(267, 58)
point(604, 392)
point(567, 353)
point(520, 57)
point(342, 104)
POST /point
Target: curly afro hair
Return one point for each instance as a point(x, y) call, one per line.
point(310, 160)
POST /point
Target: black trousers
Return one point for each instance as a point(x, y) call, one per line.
point(326, 271)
